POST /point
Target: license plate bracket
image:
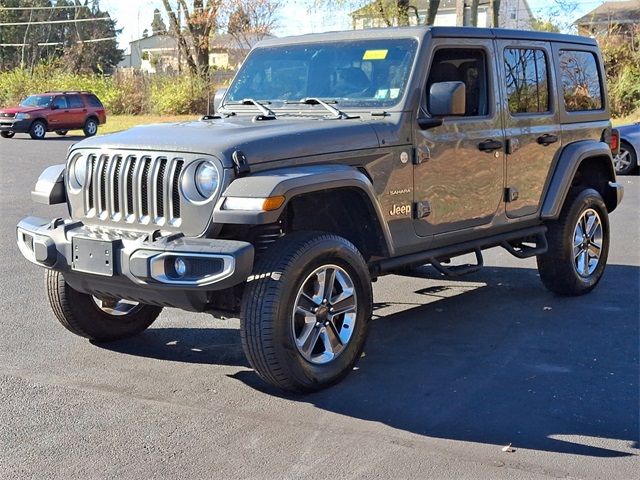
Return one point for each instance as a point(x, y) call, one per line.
point(93, 256)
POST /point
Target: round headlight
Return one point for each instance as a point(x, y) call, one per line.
point(207, 179)
point(79, 171)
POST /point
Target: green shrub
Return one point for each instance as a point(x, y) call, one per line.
point(126, 93)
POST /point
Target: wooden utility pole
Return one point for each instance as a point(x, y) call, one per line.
point(459, 13)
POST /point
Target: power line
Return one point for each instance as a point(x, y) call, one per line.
point(44, 8)
point(48, 44)
point(13, 24)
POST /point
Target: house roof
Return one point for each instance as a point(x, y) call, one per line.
point(613, 12)
point(421, 5)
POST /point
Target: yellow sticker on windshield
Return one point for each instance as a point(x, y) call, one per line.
point(375, 54)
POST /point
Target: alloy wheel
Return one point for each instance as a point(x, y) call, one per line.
point(324, 314)
point(587, 243)
point(622, 160)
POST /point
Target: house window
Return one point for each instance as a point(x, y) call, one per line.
point(581, 82)
point(526, 80)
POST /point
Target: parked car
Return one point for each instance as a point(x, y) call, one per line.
point(626, 161)
point(53, 112)
point(334, 159)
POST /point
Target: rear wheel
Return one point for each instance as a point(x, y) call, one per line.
point(626, 161)
point(62, 133)
point(7, 134)
point(306, 311)
point(38, 130)
point(101, 320)
point(90, 127)
point(578, 245)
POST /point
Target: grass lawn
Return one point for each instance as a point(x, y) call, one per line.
point(115, 123)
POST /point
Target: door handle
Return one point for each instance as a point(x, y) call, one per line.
point(490, 145)
point(547, 139)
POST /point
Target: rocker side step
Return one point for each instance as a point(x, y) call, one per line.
point(518, 243)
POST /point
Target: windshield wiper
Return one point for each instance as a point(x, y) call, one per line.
point(266, 112)
point(316, 101)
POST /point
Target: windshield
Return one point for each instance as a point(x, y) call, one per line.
point(370, 73)
point(37, 101)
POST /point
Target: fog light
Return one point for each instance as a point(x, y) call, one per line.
point(180, 267)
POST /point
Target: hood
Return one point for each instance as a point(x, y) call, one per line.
point(19, 109)
point(261, 141)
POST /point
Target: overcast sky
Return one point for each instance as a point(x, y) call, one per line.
point(134, 16)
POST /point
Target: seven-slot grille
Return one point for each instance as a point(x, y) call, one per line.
point(134, 188)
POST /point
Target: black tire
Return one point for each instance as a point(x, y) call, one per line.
point(79, 313)
point(558, 266)
point(38, 130)
point(632, 158)
point(267, 322)
point(62, 133)
point(7, 134)
point(90, 127)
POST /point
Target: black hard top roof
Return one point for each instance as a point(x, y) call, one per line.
point(422, 31)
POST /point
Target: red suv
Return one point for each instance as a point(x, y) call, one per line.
point(53, 112)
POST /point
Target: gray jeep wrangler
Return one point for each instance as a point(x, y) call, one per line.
point(333, 159)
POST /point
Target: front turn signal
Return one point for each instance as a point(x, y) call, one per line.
point(253, 204)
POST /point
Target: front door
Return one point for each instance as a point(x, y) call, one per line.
point(459, 171)
point(57, 118)
point(532, 125)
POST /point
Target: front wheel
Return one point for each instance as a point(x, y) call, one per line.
point(101, 320)
point(38, 130)
point(306, 310)
point(90, 127)
point(7, 134)
point(578, 245)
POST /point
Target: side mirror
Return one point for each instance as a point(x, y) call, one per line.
point(217, 98)
point(447, 98)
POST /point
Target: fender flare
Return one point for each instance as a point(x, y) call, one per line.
point(569, 160)
point(292, 182)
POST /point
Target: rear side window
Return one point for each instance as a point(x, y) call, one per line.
point(75, 101)
point(94, 101)
point(580, 80)
point(527, 80)
point(60, 102)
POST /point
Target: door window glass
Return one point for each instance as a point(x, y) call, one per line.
point(75, 101)
point(467, 66)
point(581, 83)
point(526, 80)
point(60, 102)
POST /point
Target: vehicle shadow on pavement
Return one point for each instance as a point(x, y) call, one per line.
point(211, 346)
point(50, 137)
point(505, 363)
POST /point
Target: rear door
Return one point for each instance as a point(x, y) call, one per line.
point(532, 122)
point(77, 111)
point(458, 179)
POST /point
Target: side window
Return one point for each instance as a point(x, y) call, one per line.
point(75, 101)
point(60, 102)
point(463, 65)
point(527, 80)
point(94, 101)
point(580, 80)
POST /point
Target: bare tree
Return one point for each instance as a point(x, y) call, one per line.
point(250, 20)
point(193, 40)
point(495, 13)
point(432, 11)
point(473, 13)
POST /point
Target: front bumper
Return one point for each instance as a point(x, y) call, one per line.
point(136, 266)
point(11, 125)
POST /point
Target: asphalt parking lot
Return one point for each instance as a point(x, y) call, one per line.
point(453, 372)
